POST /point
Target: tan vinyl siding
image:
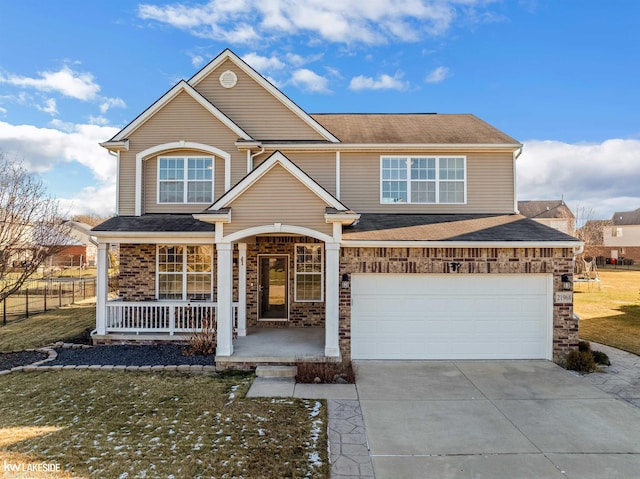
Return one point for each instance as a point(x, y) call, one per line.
point(489, 184)
point(150, 184)
point(278, 197)
point(182, 119)
point(253, 108)
point(321, 166)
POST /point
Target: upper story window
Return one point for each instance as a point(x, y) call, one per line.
point(423, 179)
point(617, 231)
point(183, 179)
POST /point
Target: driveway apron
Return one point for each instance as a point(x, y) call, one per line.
point(493, 419)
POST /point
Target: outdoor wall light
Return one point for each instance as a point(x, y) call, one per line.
point(345, 283)
point(566, 283)
point(454, 267)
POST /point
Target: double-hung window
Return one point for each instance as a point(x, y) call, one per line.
point(185, 272)
point(422, 179)
point(185, 179)
point(309, 272)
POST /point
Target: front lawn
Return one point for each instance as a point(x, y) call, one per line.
point(130, 424)
point(46, 328)
point(610, 313)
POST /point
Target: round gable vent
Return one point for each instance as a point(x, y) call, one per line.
point(228, 79)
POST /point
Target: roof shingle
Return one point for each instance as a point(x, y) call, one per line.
point(418, 128)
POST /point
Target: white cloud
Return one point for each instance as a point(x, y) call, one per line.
point(65, 81)
point(50, 106)
point(3, 110)
point(603, 176)
point(383, 82)
point(310, 81)
point(262, 63)
point(109, 103)
point(98, 120)
point(100, 201)
point(345, 21)
point(438, 75)
point(43, 149)
point(197, 60)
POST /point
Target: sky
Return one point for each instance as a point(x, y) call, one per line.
point(562, 77)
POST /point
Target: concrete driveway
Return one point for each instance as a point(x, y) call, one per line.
point(493, 419)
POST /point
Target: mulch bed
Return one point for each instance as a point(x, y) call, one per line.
point(130, 355)
point(21, 358)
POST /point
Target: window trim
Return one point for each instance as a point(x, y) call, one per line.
point(184, 271)
point(296, 273)
point(437, 179)
point(185, 180)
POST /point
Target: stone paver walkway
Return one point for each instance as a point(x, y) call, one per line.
point(622, 378)
point(348, 447)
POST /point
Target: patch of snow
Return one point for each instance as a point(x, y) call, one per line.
point(124, 475)
point(260, 432)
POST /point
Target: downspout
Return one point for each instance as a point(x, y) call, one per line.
point(253, 156)
point(515, 189)
point(116, 155)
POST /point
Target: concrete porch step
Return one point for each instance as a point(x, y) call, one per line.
point(276, 371)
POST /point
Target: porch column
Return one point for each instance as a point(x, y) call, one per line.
point(224, 309)
point(332, 313)
point(242, 289)
point(102, 287)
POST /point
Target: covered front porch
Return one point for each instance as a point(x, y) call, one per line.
point(265, 318)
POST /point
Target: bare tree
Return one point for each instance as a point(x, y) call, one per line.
point(590, 231)
point(30, 226)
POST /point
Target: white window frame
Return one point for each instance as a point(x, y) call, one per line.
point(185, 180)
point(184, 273)
point(296, 273)
point(437, 179)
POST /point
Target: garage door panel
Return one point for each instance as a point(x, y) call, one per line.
point(450, 316)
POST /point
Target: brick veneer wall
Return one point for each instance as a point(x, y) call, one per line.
point(307, 314)
point(557, 261)
point(137, 272)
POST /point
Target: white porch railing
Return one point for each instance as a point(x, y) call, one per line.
point(162, 316)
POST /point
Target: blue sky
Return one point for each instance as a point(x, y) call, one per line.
point(559, 76)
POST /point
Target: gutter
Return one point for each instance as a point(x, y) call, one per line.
point(459, 244)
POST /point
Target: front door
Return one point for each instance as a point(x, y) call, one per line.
point(273, 287)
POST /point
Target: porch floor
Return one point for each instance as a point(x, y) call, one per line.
point(277, 345)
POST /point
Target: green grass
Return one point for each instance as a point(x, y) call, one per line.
point(105, 424)
point(46, 328)
point(610, 312)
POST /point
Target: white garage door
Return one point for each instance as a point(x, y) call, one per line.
point(451, 316)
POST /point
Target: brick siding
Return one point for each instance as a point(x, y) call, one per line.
point(472, 260)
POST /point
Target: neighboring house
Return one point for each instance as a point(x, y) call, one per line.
point(78, 247)
point(553, 213)
point(622, 236)
point(396, 235)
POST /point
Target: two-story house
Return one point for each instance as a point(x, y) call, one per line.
point(622, 236)
point(553, 213)
point(388, 236)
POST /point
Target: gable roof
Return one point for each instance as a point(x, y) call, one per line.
point(626, 217)
point(180, 87)
point(545, 209)
point(262, 81)
point(418, 128)
point(276, 158)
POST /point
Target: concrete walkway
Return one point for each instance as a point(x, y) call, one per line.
point(497, 419)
